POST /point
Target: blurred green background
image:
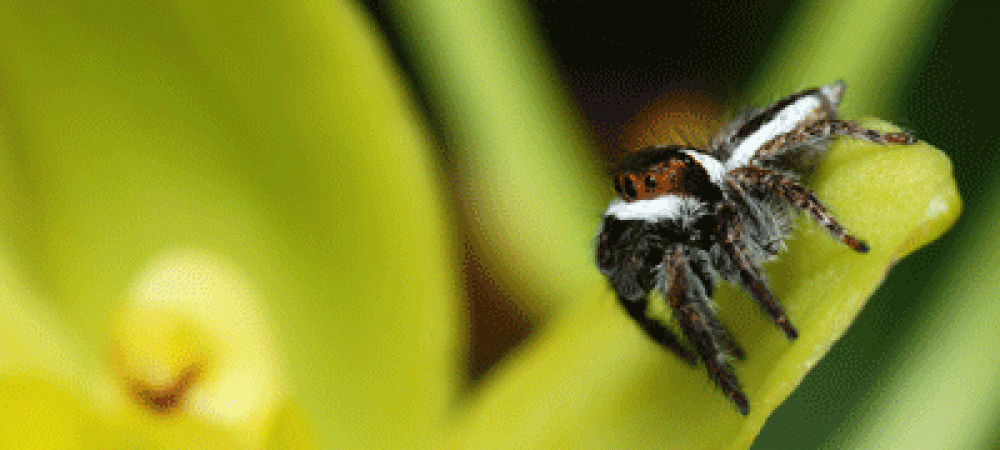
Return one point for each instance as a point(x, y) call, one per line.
point(345, 189)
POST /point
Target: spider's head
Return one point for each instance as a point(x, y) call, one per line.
point(663, 170)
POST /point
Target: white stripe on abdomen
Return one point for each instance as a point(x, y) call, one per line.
point(786, 120)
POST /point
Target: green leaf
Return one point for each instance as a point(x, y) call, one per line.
point(591, 379)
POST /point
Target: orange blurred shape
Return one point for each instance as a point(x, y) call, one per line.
point(677, 117)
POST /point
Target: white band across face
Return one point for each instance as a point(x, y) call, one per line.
point(668, 206)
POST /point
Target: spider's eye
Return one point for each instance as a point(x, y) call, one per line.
point(650, 182)
point(625, 187)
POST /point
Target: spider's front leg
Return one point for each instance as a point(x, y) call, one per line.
point(685, 292)
point(655, 329)
point(629, 255)
point(750, 274)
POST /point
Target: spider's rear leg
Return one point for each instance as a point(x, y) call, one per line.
point(702, 329)
point(758, 178)
point(750, 275)
point(822, 130)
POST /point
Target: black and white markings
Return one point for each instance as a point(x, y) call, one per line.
point(685, 217)
point(664, 207)
point(782, 118)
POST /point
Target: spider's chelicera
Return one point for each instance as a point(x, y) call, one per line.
point(685, 217)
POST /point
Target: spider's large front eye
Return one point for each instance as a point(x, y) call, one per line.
point(625, 188)
point(650, 182)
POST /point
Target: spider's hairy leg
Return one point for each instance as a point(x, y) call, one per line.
point(756, 217)
point(824, 129)
point(700, 271)
point(698, 322)
point(759, 178)
point(655, 329)
point(750, 274)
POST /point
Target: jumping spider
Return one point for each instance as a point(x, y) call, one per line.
point(686, 216)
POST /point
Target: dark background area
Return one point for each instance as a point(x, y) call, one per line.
point(618, 57)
